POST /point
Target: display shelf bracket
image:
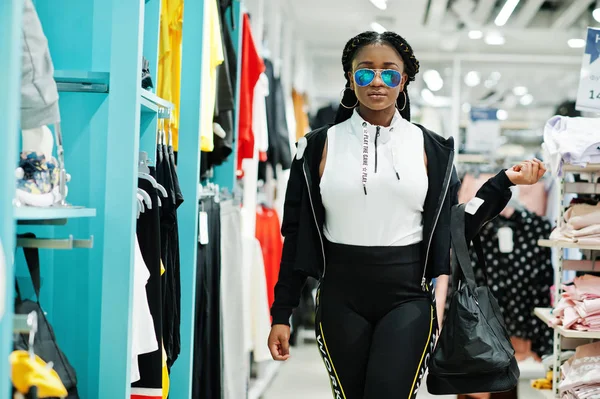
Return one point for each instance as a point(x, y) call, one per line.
point(82, 81)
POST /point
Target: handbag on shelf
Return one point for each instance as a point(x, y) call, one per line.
point(474, 353)
point(45, 345)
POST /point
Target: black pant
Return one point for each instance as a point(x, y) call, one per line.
point(207, 367)
point(375, 325)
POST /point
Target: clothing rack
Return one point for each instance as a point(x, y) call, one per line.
point(561, 265)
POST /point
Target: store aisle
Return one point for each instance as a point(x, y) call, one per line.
point(304, 376)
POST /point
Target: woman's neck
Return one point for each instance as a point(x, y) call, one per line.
point(382, 117)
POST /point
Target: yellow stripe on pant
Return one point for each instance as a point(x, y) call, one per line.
point(336, 385)
point(424, 357)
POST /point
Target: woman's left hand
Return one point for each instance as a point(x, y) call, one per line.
point(527, 172)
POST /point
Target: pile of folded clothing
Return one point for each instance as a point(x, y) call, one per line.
point(581, 374)
point(579, 305)
point(574, 141)
point(581, 225)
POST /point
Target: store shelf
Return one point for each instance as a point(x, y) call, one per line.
point(582, 188)
point(82, 81)
point(151, 103)
point(28, 213)
point(565, 244)
point(590, 168)
point(545, 314)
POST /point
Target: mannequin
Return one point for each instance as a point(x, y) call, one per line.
point(39, 175)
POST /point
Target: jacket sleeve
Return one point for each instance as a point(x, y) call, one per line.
point(289, 286)
point(489, 201)
point(39, 95)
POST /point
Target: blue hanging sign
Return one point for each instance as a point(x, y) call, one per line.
point(588, 95)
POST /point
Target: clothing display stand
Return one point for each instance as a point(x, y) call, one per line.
point(107, 119)
point(561, 265)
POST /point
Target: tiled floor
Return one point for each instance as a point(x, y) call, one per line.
point(304, 377)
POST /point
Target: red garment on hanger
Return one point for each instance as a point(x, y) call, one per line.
point(252, 67)
point(271, 243)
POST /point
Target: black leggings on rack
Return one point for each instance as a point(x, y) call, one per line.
point(375, 326)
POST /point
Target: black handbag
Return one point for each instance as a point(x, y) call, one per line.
point(45, 345)
point(474, 353)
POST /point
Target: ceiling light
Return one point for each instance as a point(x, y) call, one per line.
point(596, 14)
point(527, 99)
point(472, 79)
point(377, 27)
point(502, 115)
point(495, 76)
point(475, 34)
point(495, 39)
point(433, 80)
point(577, 43)
point(520, 90)
point(381, 4)
point(489, 83)
point(506, 12)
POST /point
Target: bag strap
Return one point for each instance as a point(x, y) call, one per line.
point(460, 249)
point(32, 258)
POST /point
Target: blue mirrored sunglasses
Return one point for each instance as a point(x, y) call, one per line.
point(364, 77)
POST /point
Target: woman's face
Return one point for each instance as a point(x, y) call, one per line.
point(377, 95)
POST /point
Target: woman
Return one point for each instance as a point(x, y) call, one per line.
point(367, 212)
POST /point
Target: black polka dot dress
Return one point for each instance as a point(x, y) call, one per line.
point(520, 280)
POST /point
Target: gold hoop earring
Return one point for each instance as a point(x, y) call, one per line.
point(405, 101)
point(342, 99)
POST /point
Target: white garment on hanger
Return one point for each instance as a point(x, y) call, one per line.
point(574, 141)
point(235, 358)
point(259, 114)
point(143, 334)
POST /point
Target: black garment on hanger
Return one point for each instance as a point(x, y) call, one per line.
point(167, 177)
point(206, 376)
point(148, 234)
point(521, 279)
point(279, 152)
point(324, 116)
point(225, 99)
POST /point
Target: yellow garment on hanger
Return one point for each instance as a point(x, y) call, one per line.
point(543, 383)
point(212, 57)
point(169, 60)
point(302, 125)
point(27, 373)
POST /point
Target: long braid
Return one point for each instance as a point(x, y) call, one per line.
point(411, 68)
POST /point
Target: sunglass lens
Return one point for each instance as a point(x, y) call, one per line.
point(364, 77)
point(391, 78)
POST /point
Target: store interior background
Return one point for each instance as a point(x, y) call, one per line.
point(522, 58)
point(524, 65)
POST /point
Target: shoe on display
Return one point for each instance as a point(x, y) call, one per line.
point(38, 180)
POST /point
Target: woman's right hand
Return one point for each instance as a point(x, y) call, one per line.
point(279, 342)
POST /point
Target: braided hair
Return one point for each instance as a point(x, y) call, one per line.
point(411, 68)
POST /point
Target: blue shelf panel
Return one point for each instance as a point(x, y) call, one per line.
point(152, 103)
point(31, 213)
point(82, 81)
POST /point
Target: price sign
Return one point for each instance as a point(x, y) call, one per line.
point(588, 95)
point(483, 130)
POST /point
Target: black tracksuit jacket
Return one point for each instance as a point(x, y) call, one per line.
point(303, 249)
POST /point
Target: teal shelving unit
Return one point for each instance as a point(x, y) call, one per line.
point(107, 119)
point(10, 60)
